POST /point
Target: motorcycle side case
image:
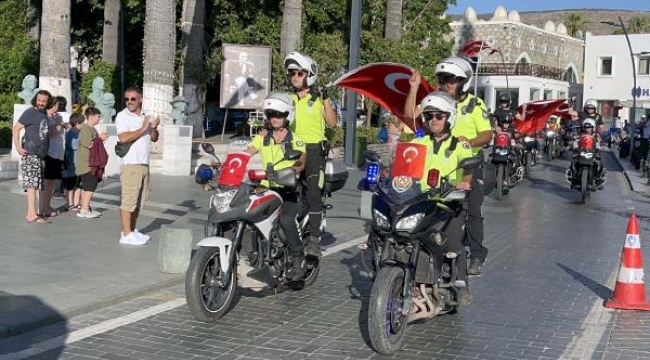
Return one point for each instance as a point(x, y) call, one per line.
point(336, 174)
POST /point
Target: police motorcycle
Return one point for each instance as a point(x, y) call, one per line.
point(504, 157)
point(529, 152)
point(586, 178)
point(239, 203)
point(415, 277)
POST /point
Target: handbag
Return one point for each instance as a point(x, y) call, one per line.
point(122, 148)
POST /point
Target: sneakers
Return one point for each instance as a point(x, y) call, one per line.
point(88, 214)
point(142, 236)
point(475, 266)
point(131, 239)
point(312, 248)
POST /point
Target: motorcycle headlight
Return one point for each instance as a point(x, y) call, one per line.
point(380, 219)
point(587, 155)
point(501, 151)
point(528, 139)
point(550, 133)
point(408, 223)
point(222, 199)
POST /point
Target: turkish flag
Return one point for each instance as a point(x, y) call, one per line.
point(409, 160)
point(473, 47)
point(537, 112)
point(234, 168)
point(387, 84)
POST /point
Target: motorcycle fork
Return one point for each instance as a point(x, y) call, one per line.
point(409, 276)
point(232, 257)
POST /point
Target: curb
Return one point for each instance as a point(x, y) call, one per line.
point(19, 322)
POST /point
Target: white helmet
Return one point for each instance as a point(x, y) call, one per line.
point(591, 103)
point(298, 61)
point(440, 101)
point(458, 67)
point(589, 122)
point(280, 102)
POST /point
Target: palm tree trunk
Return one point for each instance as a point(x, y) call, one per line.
point(291, 26)
point(55, 49)
point(194, 81)
point(393, 20)
point(110, 42)
point(159, 50)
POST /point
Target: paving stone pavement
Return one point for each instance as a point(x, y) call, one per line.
point(551, 265)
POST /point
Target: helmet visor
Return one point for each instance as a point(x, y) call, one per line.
point(269, 114)
point(447, 78)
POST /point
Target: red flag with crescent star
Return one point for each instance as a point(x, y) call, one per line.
point(234, 168)
point(473, 47)
point(385, 83)
point(537, 112)
point(409, 160)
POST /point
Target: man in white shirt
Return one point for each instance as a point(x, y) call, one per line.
point(139, 130)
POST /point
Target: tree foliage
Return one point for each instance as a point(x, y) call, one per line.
point(575, 22)
point(18, 51)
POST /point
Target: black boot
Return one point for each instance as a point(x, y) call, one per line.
point(312, 248)
point(296, 272)
point(475, 266)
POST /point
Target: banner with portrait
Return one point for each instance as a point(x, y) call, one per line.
point(245, 76)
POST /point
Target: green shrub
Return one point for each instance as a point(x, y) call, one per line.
point(5, 134)
point(108, 72)
point(406, 137)
point(335, 136)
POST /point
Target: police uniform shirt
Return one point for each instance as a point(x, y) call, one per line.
point(310, 122)
point(271, 153)
point(470, 123)
point(443, 159)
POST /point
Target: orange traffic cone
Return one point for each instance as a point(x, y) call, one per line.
point(629, 292)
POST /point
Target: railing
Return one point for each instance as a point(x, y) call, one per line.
point(523, 69)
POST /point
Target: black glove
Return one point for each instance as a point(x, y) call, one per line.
point(324, 94)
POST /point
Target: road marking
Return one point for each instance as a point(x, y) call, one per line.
point(108, 325)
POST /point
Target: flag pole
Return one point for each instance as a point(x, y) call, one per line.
point(478, 63)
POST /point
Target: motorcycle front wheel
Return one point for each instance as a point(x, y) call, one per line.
point(386, 323)
point(529, 162)
point(311, 274)
point(500, 180)
point(584, 186)
point(207, 300)
point(551, 150)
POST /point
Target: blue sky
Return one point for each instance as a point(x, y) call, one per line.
point(488, 6)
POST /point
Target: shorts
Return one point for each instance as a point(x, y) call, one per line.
point(53, 168)
point(32, 168)
point(135, 186)
point(88, 182)
point(71, 183)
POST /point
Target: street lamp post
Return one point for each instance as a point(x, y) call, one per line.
point(633, 109)
point(353, 63)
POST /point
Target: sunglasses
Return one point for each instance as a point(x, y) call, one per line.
point(447, 79)
point(270, 114)
point(428, 116)
point(300, 73)
point(126, 99)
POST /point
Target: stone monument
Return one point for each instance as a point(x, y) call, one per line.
point(30, 89)
point(97, 91)
point(107, 107)
point(179, 106)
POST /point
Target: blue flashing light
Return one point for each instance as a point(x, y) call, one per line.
point(420, 132)
point(372, 173)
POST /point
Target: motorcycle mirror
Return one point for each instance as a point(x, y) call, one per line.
point(208, 148)
point(371, 155)
point(292, 155)
point(470, 163)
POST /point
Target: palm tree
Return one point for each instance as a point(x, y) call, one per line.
point(575, 22)
point(110, 39)
point(55, 49)
point(639, 25)
point(159, 50)
point(291, 26)
point(393, 20)
point(194, 81)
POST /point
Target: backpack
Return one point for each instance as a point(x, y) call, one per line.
point(98, 158)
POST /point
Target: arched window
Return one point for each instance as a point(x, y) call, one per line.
point(570, 76)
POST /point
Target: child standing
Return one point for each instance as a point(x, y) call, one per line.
point(70, 178)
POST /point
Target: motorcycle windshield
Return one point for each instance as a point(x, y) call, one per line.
point(234, 169)
point(409, 160)
point(400, 190)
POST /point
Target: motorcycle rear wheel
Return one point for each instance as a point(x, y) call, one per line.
point(386, 323)
point(500, 179)
point(208, 301)
point(584, 190)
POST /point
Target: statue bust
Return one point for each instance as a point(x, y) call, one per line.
point(179, 105)
point(97, 91)
point(29, 89)
point(107, 106)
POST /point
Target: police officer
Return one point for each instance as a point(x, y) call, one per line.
point(271, 145)
point(314, 111)
point(454, 75)
point(444, 152)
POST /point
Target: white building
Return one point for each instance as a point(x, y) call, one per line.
point(609, 76)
